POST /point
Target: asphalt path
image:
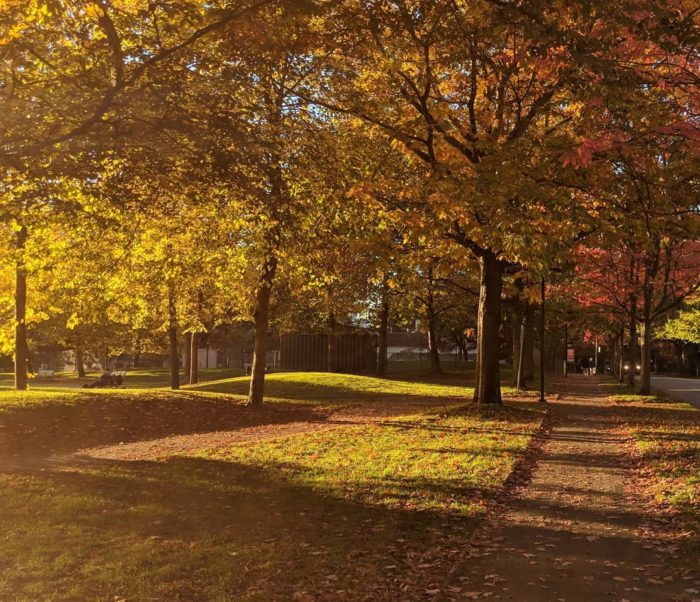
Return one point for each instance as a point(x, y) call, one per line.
point(687, 389)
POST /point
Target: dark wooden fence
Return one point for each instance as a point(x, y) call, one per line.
point(329, 353)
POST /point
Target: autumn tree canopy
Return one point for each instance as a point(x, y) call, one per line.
point(171, 168)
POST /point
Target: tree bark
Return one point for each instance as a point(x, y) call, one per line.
point(79, 361)
point(193, 374)
point(383, 333)
point(433, 344)
point(261, 321)
point(137, 351)
point(678, 347)
point(517, 324)
point(433, 339)
point(187, 352)
point(172, 336)
point(487, 388)
point(528, 374)
point(332, 362)
point(21, 347)
point(524, 318)
point(611, 355)
point(621, 356)
point(645, 379)
point(632, 351)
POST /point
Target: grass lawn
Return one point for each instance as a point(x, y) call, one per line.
point(134, 379)
point(667, 434)
point(373, 501)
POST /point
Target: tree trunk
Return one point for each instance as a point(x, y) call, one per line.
point(517, 324)
point(193, 373)
point(187, 352)
point(79, 362)
point(433, 339)
point(137, 351)
point(261, 320)
point(487, 388)
point(332, 345)
point(383, 332)
point(611, 355)
point(528, 374)
point(433, 343)
point(645, 380)
point(172, 336)
point(621, 356)
point(632, 352)
point(21, 347)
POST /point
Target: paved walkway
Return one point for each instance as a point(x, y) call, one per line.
point(575, 532)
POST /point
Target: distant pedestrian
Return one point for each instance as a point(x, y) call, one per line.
point(585, 366)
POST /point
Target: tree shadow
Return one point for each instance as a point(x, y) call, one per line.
point(112, 418)
point(200, 529)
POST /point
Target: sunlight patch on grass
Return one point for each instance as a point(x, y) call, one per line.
point(446, 463)
point(328, 387)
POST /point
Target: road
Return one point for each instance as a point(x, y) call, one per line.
point(687, 389)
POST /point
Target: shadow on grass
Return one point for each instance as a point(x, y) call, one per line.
point(113, 417)
point(198, 529)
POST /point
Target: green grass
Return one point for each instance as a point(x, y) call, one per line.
point(328, 387)
point(135, 379)
point(446, 462)
point(378, 508)
point(622, 393)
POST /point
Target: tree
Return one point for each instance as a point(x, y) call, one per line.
point(485, 99)
point(66, 69)
point(685, 325)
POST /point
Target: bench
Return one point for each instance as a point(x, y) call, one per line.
point(45, 372)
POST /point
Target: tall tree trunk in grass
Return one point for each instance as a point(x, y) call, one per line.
point(433, 345)
point(645, 378)
point(528, 373)
point(21, 348)
point(678, 348)
point(187, 353)
point(137, 351)
point(612, 347)
point(433, 338)
point(261, 317)
point(193, 374)
point(332, 345)
point(632, 351)
point(621, 356)
point(517, 324)
point(383, 333)
point(79, 361)
point(651, 266)
point(172, 336)
point(487, 388)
